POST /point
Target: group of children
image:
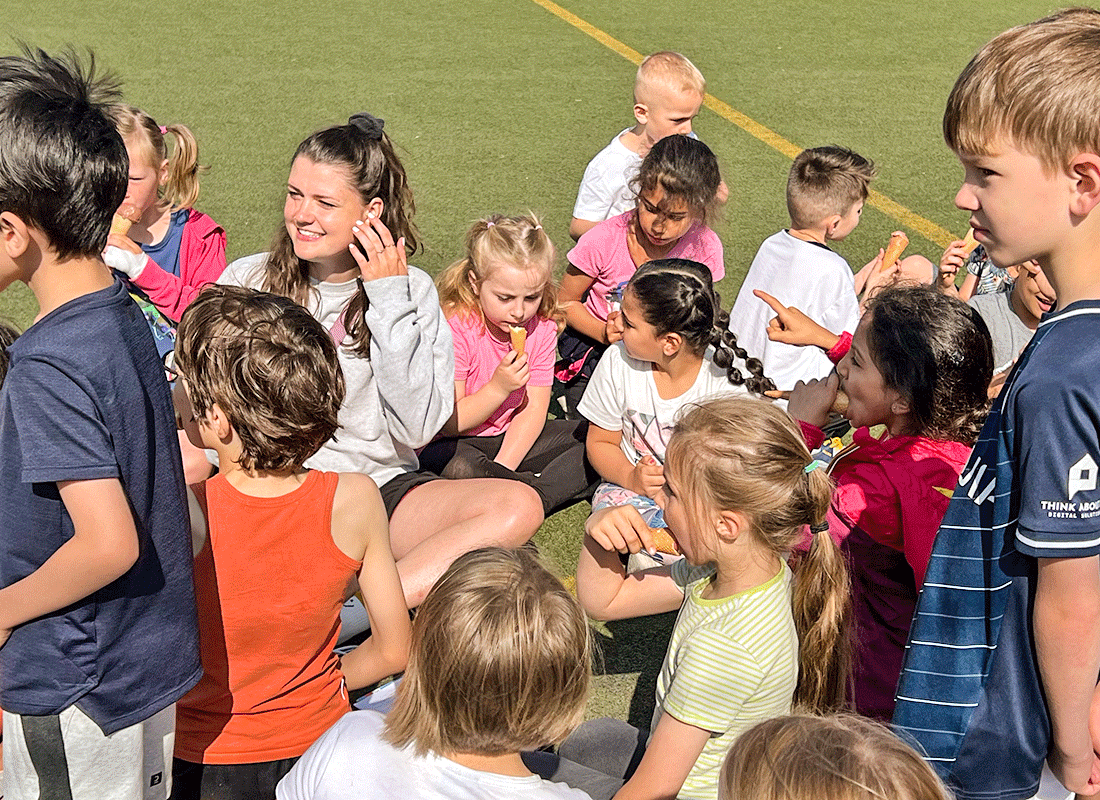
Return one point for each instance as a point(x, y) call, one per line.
point(174, 561)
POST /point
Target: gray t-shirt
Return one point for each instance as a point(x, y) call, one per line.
point(1008, 332)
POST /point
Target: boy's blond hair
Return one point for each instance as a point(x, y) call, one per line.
point(667, 70)
point(1036, 87)
point(839, 757)
point(825, 181)
point(500, 660)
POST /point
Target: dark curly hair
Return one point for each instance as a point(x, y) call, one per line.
point(936, 351)
point(677, 296)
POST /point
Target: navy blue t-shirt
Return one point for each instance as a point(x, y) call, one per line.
point(970, 692)
point(85, 398)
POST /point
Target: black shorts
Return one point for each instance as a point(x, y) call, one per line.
point(394, 490)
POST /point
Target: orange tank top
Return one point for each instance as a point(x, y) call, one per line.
point(269, 583)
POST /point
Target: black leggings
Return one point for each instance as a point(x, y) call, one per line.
point(556, 466)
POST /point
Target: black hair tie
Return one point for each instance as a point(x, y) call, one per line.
point(820, 527)
point(368, 124)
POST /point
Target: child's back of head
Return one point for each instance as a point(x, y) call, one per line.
point(268, 365)
point(826, 181)
point(63, 167)
point(1036, 86)
point(500, 660)
point(825, 758)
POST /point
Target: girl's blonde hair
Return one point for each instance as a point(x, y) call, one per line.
point(500, 660)
point(137, 128)
point(839, 757)
point(368, 158)
point(744, 454)
point(519, 241)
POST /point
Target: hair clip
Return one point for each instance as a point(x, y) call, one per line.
point(163, 130)
point(814, 465)
point(368, 124)
point(489, 224)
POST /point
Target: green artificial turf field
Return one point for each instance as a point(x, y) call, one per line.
point(497, 106)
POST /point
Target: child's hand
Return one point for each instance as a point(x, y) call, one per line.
point(791, 326)
point(951, 262)
point(647, 477)
point(620, 528)
point(512, 373)
point(384, 258)
point(123, 242)
point(865, 272)
point(613, 328)
point(810, 402)
point(125, 255)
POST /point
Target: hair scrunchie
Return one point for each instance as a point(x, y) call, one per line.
point(368, 124)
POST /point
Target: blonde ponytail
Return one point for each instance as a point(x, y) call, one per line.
point(744, 454)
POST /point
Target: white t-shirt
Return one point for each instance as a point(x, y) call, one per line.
point(621, 396)
point(351, 761)
point(808, 276)
point(605, 187)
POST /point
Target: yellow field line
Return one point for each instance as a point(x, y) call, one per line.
point(877, 200)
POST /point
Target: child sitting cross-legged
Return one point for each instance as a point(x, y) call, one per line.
point(500, 664)
point(276, 546)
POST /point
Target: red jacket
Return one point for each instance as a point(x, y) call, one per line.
point(890, 498)
point(202, 261)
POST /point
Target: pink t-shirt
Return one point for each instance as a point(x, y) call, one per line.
point(478, 353)
point(602, 254)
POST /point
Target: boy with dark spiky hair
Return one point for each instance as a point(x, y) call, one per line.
point(1004, 651)
point(98, 636)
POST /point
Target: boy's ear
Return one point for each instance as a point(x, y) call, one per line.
point(831, 224)
point(15, 238)
point(1085, 170)
point(219, 422)
point(641, 113)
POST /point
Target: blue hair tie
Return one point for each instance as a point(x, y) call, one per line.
point(814, 465)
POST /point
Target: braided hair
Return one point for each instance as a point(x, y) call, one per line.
point(677, 296)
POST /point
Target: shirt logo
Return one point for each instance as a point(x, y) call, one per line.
point(1082, 477)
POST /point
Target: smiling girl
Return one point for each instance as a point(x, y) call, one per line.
point(675, 186)
point(919, 365)
point(347, 198)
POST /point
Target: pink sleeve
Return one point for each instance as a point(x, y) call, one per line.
point(202, 261)
point(841, 348)
point(585, 253)
point(712, 254)
point(542, 351)
point(813, 435)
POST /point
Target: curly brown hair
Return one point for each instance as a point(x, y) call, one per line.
point(270, 367)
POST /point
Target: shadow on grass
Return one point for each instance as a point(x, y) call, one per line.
point(637, 645)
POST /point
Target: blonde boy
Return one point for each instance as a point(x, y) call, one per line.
point(668, 92)
point(826, 190)
point(500, 664)
point(1005, 647)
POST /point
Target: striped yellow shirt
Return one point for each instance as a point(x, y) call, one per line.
point(731, 663)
